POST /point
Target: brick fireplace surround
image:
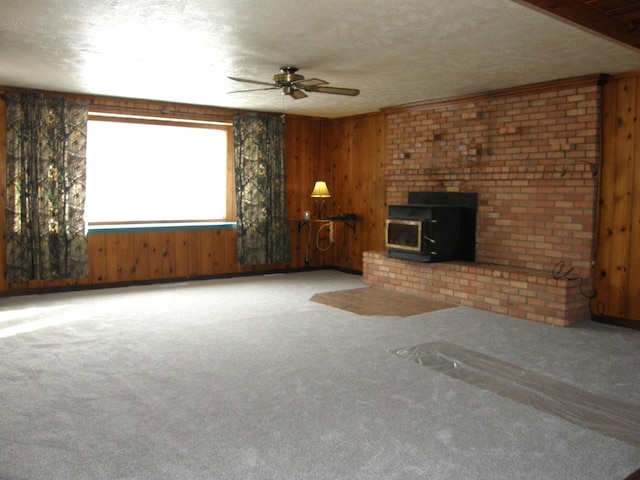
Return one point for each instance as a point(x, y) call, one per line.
point(532, 156)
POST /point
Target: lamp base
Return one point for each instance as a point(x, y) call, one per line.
point(320, 204)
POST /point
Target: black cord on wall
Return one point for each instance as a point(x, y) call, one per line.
point(559, 273)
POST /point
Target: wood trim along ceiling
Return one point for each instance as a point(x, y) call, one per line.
point(617, 19)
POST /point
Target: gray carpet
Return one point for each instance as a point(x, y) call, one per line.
point(247, 378)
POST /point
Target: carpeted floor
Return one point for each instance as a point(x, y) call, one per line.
point(246, 378)
point(376, 301)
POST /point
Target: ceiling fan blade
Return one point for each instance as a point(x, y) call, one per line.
point(310, 82)
point(250, 81)
point(297, 94)
point(254, 90)
point(352, 92)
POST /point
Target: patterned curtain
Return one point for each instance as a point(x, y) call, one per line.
point(263, 235)
point(45, 231)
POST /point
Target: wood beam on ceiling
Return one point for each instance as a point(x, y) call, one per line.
point(622, 9)
point(588, 15)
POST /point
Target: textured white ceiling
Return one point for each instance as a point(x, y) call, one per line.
point(394, 51)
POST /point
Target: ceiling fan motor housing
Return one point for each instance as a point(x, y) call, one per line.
point(287, 76)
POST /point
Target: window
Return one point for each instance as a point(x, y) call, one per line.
point(142, 172)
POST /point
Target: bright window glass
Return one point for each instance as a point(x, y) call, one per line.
point(149, 172)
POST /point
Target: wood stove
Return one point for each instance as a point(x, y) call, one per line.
point(433, 227)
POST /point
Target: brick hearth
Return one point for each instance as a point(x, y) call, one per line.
point(519, 292)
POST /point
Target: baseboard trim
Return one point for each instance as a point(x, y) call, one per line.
point(102, 286)
point(618, 322)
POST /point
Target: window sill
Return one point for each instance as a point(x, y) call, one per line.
point(155, 227)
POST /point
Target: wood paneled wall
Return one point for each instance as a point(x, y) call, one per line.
point(617, 269)
point(354, 152)
point(303, 168)
point(347, 153)
point(350, 155)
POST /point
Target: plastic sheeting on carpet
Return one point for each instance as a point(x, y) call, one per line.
point(606, 416)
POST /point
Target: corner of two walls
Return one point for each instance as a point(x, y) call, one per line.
point(529, 152)
point(350, 155)
point(356, 156)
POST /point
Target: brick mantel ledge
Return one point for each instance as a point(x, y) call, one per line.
point(518, 292)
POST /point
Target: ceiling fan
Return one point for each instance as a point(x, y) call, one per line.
point(295, 85)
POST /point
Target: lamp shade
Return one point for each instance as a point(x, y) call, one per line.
point(320, 190)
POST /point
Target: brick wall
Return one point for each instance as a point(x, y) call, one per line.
point(531, 154)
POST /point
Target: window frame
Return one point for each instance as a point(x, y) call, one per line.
point(229, 221)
